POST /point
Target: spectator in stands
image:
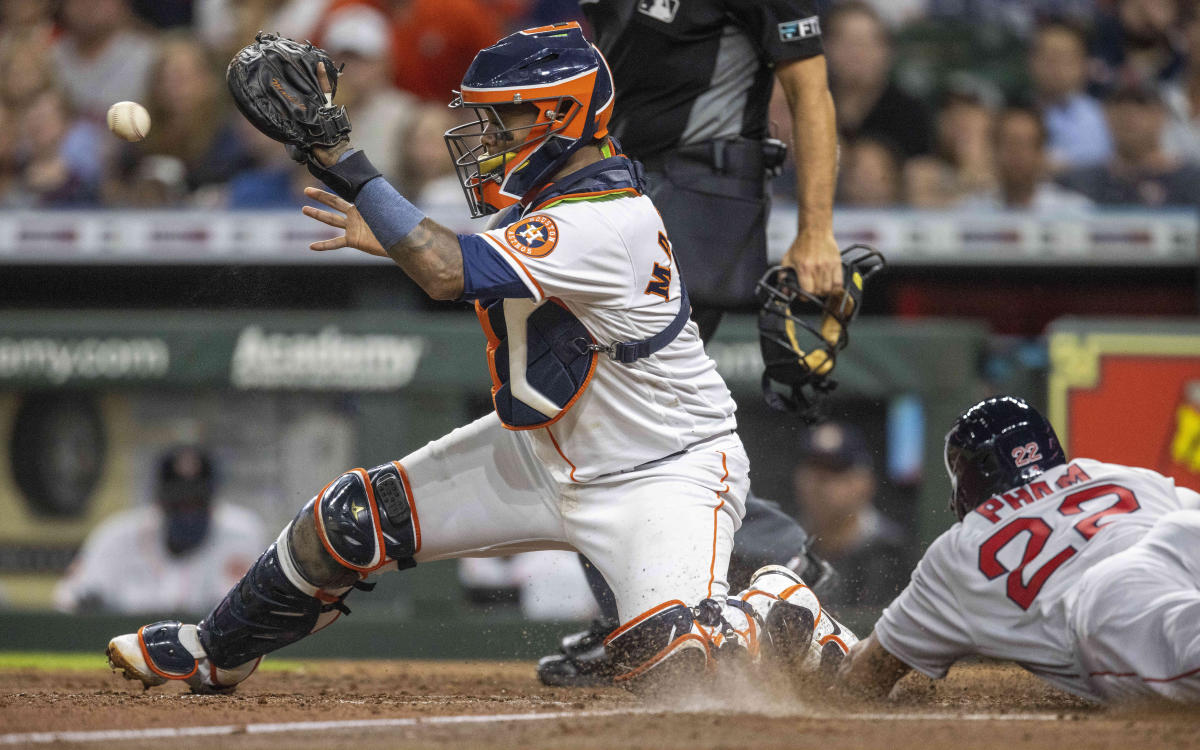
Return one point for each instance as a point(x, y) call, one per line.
point(57, 156)
point(358, 36)
point(1181, 137)
point(858, 49)
point(427, 175)
point(157, 181)
point(1021, 169)
point(272, 180)
point(433, 41)
point(835, 488)
point(8, 153)
point(29, 76)
point(1140, 172)
point(28, 73)
point(192, 115)
point(174, 555)
point(164, 14)
point(26, 20)
point(964, 163)
point(98, 58)
point(1138, 41)
point(896, 14)
point(869, 176)
point(1077, 133)
point(226, 26)
point(1017, 17)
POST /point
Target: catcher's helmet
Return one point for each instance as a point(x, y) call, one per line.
point(796, 353)
point(996, 445)
point(558, 71)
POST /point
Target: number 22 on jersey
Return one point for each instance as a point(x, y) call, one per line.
point(1021, 592)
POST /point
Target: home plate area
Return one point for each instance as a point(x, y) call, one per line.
point(495, 705)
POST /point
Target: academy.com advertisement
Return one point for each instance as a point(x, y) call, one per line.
point(59, 361)
point(295, 352)
point(330, 358)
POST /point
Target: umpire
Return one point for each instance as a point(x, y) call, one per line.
point(694, 82)
point(693, 85)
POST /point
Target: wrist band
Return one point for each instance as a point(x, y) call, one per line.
point(389, 215)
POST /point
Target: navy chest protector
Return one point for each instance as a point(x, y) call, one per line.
point(542, 357)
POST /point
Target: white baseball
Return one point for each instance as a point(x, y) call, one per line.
point(129, 120)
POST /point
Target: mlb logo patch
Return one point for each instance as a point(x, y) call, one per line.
point(801, 29)
point(659, 10)
point(534, 237)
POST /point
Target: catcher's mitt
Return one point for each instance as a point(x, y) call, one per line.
point(274, 83)
point(796, 353)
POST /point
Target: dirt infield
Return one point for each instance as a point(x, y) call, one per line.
point(496, 705)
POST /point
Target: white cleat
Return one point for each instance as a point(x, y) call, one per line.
point(170, 650)
point(800, 634)
point(125, 654)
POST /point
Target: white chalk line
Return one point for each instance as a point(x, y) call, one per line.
point(131, 735)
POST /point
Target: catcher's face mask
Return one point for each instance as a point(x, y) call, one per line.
point(800, 334)
point(492, 150)
point(565, 79)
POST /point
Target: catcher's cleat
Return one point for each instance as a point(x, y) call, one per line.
point(170, 650)
point(788, 610)
point(801, 636)
point(582, 660)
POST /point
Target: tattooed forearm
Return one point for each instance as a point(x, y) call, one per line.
point(431, 255)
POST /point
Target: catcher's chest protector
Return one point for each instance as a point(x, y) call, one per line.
point(541, 359)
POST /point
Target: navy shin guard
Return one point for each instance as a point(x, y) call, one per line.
point(263, 612)
point(359, 523)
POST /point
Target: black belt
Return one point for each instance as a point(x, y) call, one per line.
point(740, 157)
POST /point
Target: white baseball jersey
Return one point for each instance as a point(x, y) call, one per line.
point(641, 470)
point(610, 263)
point(125, 563)
point(1004, 582)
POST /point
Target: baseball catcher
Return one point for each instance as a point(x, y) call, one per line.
point(612, 433)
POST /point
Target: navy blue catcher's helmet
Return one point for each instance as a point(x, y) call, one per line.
point(996, 445)
point(558, 71)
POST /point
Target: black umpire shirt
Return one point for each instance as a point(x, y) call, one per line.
point(688, 71)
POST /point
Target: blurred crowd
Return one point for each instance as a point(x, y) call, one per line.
point(1043, 105)
point(67, 61)
point(1049, 105)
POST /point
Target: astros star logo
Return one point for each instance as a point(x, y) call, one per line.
point(532, 234)
point(535, 236)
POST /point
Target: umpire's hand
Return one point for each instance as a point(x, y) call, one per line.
point(815, 256)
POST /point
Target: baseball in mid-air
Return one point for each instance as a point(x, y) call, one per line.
point(129, 120)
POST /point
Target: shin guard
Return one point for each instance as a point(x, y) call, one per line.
point(359, 523)
point(263, 612)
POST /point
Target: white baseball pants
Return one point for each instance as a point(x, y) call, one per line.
point(1137, 617)
point(662, 532)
